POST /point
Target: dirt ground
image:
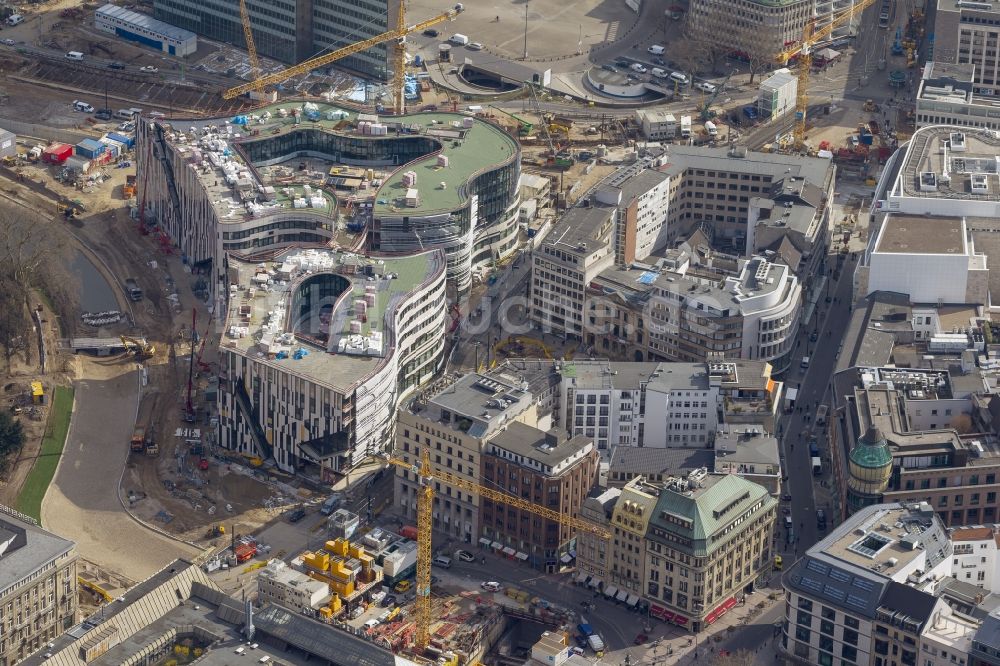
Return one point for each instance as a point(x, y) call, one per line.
point(164, 319)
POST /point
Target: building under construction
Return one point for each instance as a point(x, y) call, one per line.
point(292, 31)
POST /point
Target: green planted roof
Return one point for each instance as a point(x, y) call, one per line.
point(872, 450)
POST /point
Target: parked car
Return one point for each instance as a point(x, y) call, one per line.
point(814, 336)
point(474, 46)
point(116, 65)
point(9, 42)
point(705, 86)
point(126, 127)
point(465, 556)
point(82, 107)
point(431, 32)
point(389, 601)
point(372, 623)
point(148, 68)
point(640, 639)
point(378, 596)
point(103, 114)
point(490, 586)
point(295, 515)
point(638, 67)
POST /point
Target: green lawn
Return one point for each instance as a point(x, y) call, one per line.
point(29, 501)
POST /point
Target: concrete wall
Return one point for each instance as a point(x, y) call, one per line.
point(23, 129)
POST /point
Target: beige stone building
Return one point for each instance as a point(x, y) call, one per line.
point(708, 543)
point(629, 523)
point(38, 586)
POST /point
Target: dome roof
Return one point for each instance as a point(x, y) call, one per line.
point(872, 450)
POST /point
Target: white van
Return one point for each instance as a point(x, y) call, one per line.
point(442, 561)
point(14, 19)
point(658, 73)
point(682, 79)
point(804, 363)
point(711, 128)
point(124, 114)
point(82, 107)
point(74, 55)
point(458, 39)
point(656, 49)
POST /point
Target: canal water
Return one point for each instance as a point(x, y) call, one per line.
point(94, 293)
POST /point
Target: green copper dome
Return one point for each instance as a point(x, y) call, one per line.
point(872, 450)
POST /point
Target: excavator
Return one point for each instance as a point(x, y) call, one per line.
point(138, 347)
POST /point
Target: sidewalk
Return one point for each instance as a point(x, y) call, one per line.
point(684, 648)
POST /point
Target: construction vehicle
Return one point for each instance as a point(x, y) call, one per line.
point(152, 448)
point(95, 588)
point(68, 210)
point(138, 442)
point(706, 112)
point(128, 190)
point(138, 347)
point(524, 128)
point(558, 124)
point(399, 58)
point(215, 531)
point(518, 345)
point(255, 461)
point(244, 551)
point(802, 52)
point(554, 158)
point(425, 524)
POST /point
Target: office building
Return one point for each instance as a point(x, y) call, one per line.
point(38, 586)
point(295, 31)
point(319, 348)
point(859, 594)
point(947, 95)
point(453, 421)
point(630, 520)
point(667, 404)
point(215, 190)
point(592, 551)
point(753, 27)
point(708, 544)
point(964, 33)
point(548, 469)
point(898, 440)
point(594, 277)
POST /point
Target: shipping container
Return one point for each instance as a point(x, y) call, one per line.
point(57, 153)
point(8, 143)
point(120, 137)
point(90, 148)
point(408, 531)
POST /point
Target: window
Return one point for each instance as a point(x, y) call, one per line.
point(802, 634)
point(829, 613)
point(849, 653)
point(850, 636)
point(805, 604)
point(853, 623)
point(826, 643)
point(826, 627)
point(804, 618)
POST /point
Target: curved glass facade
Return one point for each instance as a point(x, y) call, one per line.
point(342, 148)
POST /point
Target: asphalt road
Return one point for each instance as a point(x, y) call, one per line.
point(82, 503)
point(616, 623)
point(813, 388)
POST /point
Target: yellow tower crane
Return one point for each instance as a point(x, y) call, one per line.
point(399, 34)
point(425, 525)
point(810, 36)
point(251, 47)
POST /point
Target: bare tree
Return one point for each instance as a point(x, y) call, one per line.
point(693, 54)
point(31, 258)
point(962, 423)
point(738, 658)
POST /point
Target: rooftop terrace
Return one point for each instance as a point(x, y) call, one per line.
point(325, 314)
point(216, 149)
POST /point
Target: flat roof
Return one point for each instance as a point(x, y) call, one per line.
point(265, 318)
point(207, 144)
point(913, 234)
point(148, 22)
point(956, 156)
point(776, 165)
point(28, 548)
point(524, 440)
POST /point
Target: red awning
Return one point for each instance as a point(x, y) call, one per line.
point(656, 611)
point(729, 603)
point(711, 617)
point(680, 619)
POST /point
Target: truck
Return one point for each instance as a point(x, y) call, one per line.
point(138, 443)
point(685, 127)
point(593, 638)
point(817, 465)
point(813, 448)
point(821, 413)
point(133, 290)
point(711, 128)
